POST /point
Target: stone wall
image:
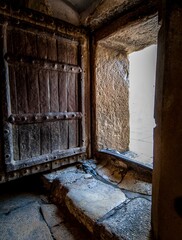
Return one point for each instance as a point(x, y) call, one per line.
point(112, 99)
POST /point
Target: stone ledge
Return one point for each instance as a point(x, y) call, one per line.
point(102, 207)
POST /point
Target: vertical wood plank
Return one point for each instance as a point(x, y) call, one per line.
point(52, 48)
point(16, 150)
point(44, 96)
point(33, 90)
point(25, 150)
point(31, 44)
point(54, 105)
point(73, 94)
point(42, 47)
point(9, 41)
point(21, 89)
point(19, 43)
point(34, 107)
point(63, 108)
point(63, 57)
point(62, 50)
point(72, 107)
point(12, 81)
point(33, 95)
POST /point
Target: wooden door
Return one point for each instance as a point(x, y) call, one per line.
point(43, 89)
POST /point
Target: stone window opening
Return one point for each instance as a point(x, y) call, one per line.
point(125, 87)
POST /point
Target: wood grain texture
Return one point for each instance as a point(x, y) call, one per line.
point(21, 89)
point(42, 46)
point(54, 107)
point(13, 93)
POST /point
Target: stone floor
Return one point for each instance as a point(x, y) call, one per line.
point(112, 203)
point(89, 200)
point(26, 214)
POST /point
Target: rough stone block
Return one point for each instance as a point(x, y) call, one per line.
point(132, 183)
point(91, 199)
point(130, 222)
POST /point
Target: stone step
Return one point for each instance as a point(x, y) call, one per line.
point(107, 210)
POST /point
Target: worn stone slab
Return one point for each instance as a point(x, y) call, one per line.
point(10, 201)
point(52, 214)
point(90, 199)
point(111, 173)
point(130, 222)
point(132, 183)
point(48, 179)
point(25, 223)
point(68, 232)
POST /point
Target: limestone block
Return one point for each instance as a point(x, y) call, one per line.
point(130, 222)
point(132, 183)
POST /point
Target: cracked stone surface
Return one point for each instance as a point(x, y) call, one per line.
point(134, 184)
point(24, 223)
point(52, 215)
point(93, 199)
point(130, 222)
point(87, 198)
point(30, 216)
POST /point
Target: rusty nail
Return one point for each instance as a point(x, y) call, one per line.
point(6, 131)
point(56, 117)
point(41, 18)
point(35, 118)
point(4, 6)
point(24, 118)
point(12, 119)
point(17, 10)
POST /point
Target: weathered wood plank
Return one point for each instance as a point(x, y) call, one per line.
point(62, 50)
point(33, 95)
point(44, 107)
point(19, 43)
point(31, 44)
point(42, 46)
point(52, 48)
point(72, 107)
point(44, 97)
point(24, 142)
point(9, 41)
point(72, 94)
point(63, 108)
point(12, 81)
point(33, 91)
point(45, 138)
point(15, 132)
point(21, 89)
point(72, 55)
point(54, 107)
